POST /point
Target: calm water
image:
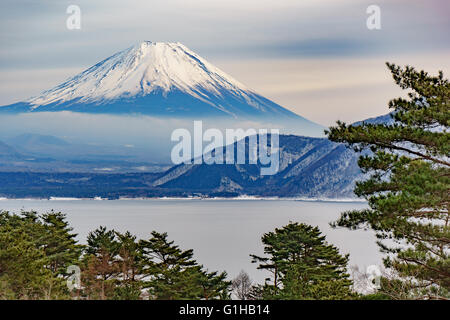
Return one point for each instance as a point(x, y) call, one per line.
point(222, 232)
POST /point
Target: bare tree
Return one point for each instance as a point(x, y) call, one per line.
point(242, 286)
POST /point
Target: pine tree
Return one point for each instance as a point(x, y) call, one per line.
point(174, 274)
point(59, 243)
point(35, 251)
point(25, 271)
point(130, 264)
point(409, 183)
point(303, 265)
point(213, 285)
point(101, 267)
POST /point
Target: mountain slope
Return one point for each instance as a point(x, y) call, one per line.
point(309, 167)
point(8, 153)
point(159, 79)
point(27, 140)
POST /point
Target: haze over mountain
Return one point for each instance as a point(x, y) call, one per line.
point(8, 152)
point(309, 167)
point(162, 80)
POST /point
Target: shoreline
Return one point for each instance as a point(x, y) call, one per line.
point(240, 198)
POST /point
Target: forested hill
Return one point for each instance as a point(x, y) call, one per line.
point(309, 167)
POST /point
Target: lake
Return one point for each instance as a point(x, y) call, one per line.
point(222, 232)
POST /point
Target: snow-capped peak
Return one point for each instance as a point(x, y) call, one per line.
point(140, 70)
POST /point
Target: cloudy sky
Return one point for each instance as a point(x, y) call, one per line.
point(314, 57)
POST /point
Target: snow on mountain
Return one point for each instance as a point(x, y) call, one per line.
point(140, 70)
point(160, 79)
point(309, 167)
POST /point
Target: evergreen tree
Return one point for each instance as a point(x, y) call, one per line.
point(101, 241)
point(101, 267)
point(25, 271)
point(130, 264)
point(408, 188)
point(59, 243)
point(174, 274)
point(35, 251)
point(303, 265)
point(213, 285)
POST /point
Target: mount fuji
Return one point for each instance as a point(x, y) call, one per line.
point(162, 80)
